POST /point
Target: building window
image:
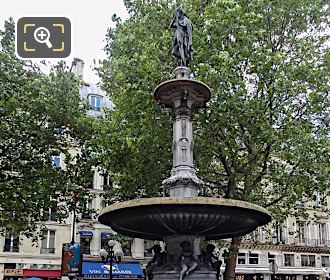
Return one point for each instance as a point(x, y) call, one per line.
point(85, 242)
point(48, 242)
point(241, 258)
point(107, 183)
point(325, 261)
point(49, 215)
point(87, 211)
point(307, 260)
point(105, 179)
point(322, 229)
point(52, 215)
point(300, 203)
point(105, 237)
point(253, 258)
point(318, 200)
point(288, 259)
point(11, 214)
point(302, 232)
point(251, 237)
point(95, 102)
point(90, 185)
point(278, 233)
point(56, 161)
point(105, 203)
point(11, 243)
point(271, 258)
point(261, 236)
point(33, 266)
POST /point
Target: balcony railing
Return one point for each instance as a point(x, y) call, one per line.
point(148, 254)
point(310, 242)
point(325, 243)
point(51, 217)
point(47, 250)
point(86, 216)
point(290, 241)
point(86, 250)
point(14, 249)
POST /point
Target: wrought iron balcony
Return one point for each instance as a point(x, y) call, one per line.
point(289, 241)
point(310, 242)
point(13, 249)
point(87, 215)
point(86, 250)
point(47, 250)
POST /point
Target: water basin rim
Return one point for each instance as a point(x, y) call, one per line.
point(184, 201)
point(182, 81)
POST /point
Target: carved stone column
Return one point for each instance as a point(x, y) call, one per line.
point(183, 95)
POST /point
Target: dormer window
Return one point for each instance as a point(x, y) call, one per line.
point(56, 161)
point(95, 101)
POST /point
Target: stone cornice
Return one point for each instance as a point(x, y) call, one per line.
point(287, 248)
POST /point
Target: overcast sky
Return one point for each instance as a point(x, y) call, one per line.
point(89, 20)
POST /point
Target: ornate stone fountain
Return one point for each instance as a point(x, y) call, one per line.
point(183, 220)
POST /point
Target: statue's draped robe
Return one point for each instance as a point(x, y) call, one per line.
point(183, 37)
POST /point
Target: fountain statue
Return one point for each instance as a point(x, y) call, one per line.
point(183, 220)
point(182, 43)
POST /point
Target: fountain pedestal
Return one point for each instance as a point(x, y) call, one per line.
point(184, 96)
point(195, 275)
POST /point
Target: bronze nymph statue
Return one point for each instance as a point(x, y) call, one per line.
point(188, 262)
point(182, 43)
point(157, 261)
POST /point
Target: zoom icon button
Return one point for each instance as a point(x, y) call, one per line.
point(43, 37)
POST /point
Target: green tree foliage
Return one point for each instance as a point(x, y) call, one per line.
point(40, 116)
point(124, 241)
point(137, 136)
point(260, 138)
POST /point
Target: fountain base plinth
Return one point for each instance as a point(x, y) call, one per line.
point(174, 275)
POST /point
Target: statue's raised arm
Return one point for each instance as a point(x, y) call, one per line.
point(182, 43)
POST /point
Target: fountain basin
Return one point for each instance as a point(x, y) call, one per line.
point(155, 218)
point(172, 92)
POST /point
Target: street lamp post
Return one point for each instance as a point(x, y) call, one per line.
point(108, 254)
point(273, 268)
point(74, 201)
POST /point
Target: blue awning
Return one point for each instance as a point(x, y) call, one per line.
point(105, 235)
point(97, 270)
point(85, 232)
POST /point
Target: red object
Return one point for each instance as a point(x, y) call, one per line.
point(51, 273)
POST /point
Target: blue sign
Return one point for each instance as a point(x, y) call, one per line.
point(119, 270)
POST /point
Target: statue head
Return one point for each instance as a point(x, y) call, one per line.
point(210, 248)
point(156, 248)
point(180, 13)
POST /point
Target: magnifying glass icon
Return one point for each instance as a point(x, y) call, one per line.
point(41, 35)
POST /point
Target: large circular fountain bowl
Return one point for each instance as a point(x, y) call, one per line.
point(154, 218)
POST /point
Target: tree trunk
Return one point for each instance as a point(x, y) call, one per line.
point(231, 257)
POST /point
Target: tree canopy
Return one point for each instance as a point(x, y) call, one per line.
point(260, 138)
point(41, 116)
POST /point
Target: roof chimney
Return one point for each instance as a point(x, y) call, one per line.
point(326, 120)
point(77, 67)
